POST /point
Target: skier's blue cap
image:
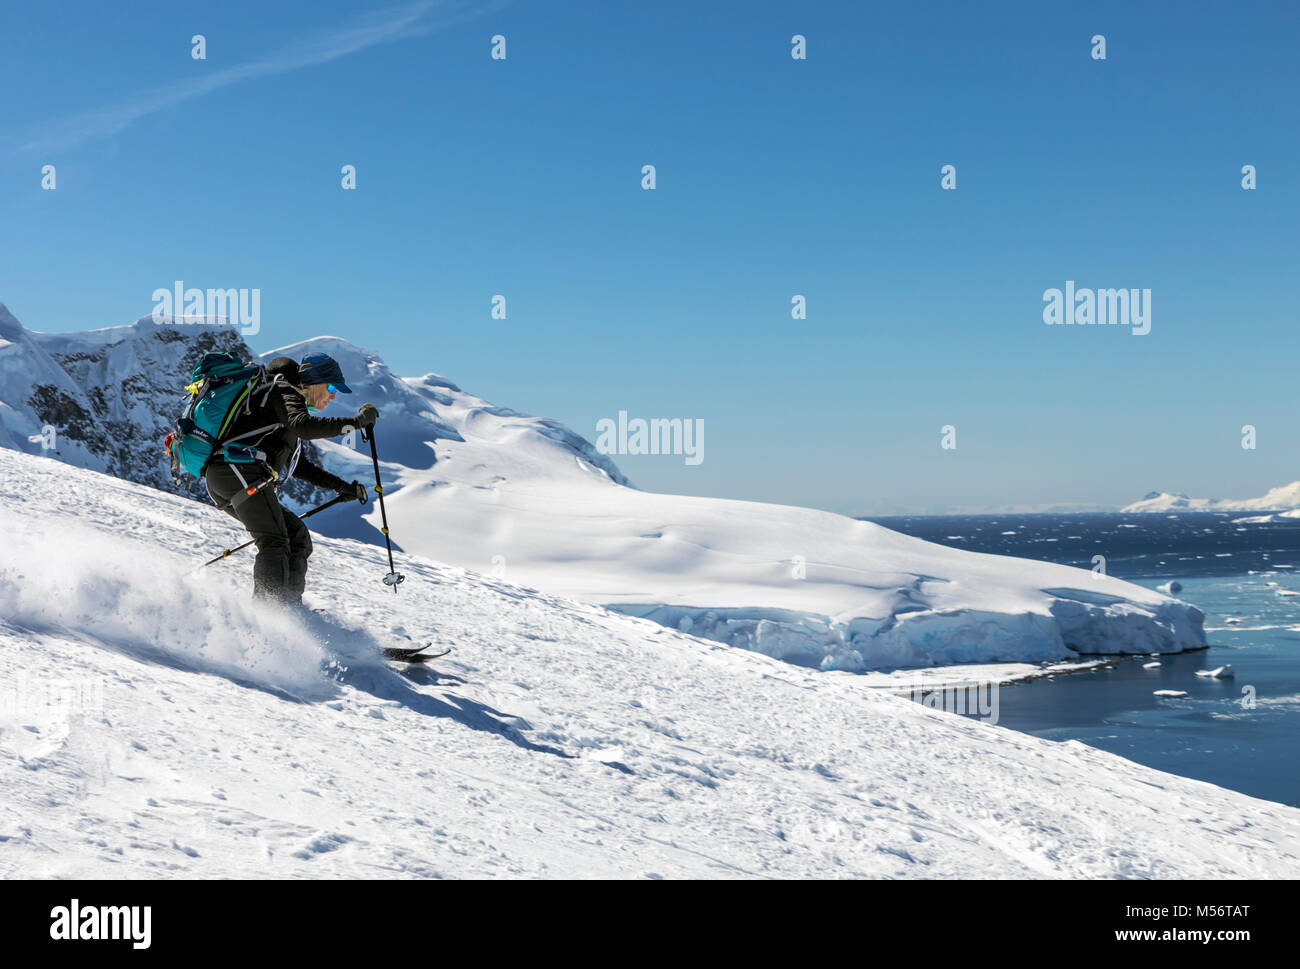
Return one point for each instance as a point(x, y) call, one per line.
point(321, 368)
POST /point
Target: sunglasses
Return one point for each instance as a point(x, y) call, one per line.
point(332, 389)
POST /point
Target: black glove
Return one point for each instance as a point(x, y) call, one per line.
point(355, 490)
point(367, 416)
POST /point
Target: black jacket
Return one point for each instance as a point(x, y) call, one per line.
point(278, 401)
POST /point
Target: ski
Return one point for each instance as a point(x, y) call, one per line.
point(412, 654)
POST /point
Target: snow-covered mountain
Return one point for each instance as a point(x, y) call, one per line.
point(110, 394)
point(491, 489)
point(1277, 499)
point(154, 725)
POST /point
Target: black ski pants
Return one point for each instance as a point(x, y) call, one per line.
point(283, 541)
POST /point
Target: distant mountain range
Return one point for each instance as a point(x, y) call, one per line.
point(1277, 499)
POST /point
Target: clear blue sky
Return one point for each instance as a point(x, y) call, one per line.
point(775, 177)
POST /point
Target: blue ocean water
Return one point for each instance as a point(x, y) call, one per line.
point(1239, 733)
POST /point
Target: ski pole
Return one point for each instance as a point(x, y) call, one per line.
point(307, 514)
point(393, 578)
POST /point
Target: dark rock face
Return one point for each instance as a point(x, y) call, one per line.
point(132, 383)
point(55, 407)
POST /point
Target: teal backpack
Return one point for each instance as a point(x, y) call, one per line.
point(221, 390)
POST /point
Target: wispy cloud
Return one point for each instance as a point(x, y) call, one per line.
point(375, 28)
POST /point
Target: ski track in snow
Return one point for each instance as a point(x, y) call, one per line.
point(558, 740)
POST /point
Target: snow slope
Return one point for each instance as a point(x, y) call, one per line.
point(1276, 499)
point(493, 490)
point(152, 727)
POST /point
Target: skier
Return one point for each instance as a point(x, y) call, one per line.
point(249, 491)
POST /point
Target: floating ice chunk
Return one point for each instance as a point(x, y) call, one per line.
point(1221, 672)
point(1172, 587)
point(1151, 666)
point(1171, 693)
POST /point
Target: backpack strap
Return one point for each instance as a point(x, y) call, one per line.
point(246, 490)
point(275, 381)
point(260, 433)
